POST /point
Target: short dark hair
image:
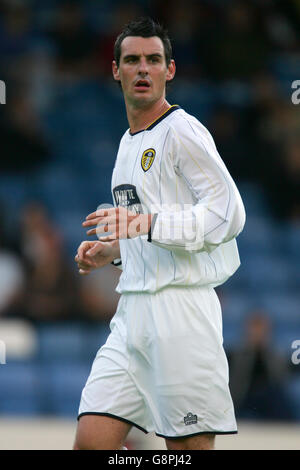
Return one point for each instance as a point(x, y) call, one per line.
point(146, 28)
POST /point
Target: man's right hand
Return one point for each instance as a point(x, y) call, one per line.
point(96, 254)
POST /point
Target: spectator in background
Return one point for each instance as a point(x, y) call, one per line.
point(25, 53)
point(232, 143)
point(23, 145)
point(238, 49)
point(271, 125)
point(184, 25)
point(16, 39)
point(74, 42)
point(258, 116)
point(123, 13)
point(98, 296)
point(281, 23)
point(274, 127)
point(51, 291)
point(258, 373)
point(12, 274)
point(282, 181)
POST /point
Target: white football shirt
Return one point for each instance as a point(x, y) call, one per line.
point(172, 169)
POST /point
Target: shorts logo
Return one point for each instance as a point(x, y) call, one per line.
point(147, 159)
point(190, 419)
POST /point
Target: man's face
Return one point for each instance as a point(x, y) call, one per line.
point(142, 70)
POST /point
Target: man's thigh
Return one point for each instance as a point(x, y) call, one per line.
point(200, 442)
point(97, 432)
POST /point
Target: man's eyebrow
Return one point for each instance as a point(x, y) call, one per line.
point(154, 54)
point(134, 56)
point(130, 56)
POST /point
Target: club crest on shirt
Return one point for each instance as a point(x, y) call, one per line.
point(147, 159)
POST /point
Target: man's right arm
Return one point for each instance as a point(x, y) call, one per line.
point(96, 254)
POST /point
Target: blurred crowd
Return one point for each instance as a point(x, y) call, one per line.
point(38, 281)
point(238, 58)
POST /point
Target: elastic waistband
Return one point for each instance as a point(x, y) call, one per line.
point(171, 288)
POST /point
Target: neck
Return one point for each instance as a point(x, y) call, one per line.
point(140, 118)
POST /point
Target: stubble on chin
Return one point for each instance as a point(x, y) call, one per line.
point(141, 102)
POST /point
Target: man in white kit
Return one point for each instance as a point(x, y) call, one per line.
point(172, 232)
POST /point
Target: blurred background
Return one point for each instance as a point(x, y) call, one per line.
point(60, 129)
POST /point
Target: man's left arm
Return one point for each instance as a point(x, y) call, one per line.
point(218, 214)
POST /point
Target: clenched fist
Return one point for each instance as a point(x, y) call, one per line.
point(96, 254)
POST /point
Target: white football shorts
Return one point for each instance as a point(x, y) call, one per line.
point(163, 367)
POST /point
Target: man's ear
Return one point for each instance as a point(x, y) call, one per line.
point(115, 71)
point(171, 71)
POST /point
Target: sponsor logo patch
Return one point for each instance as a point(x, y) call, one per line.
point(125, 195)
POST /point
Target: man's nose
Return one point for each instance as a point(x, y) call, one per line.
point(143, 66)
